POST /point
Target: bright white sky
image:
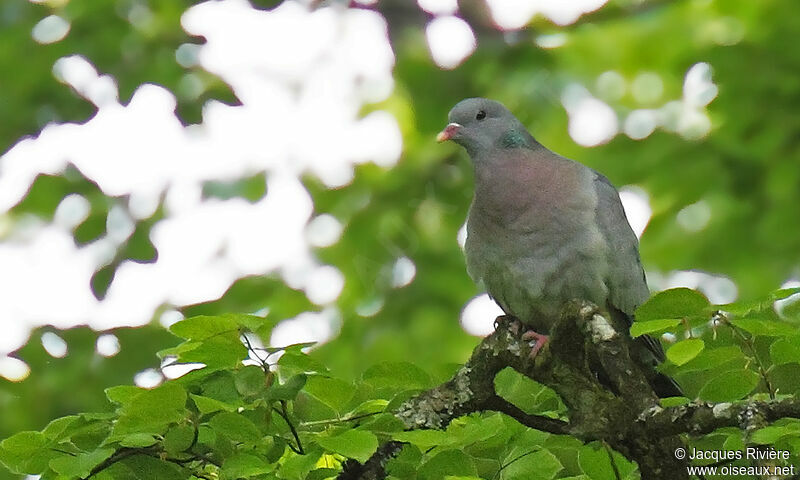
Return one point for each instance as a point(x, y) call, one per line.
point(295, 72)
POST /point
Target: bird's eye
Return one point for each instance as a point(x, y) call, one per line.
point(481, 115)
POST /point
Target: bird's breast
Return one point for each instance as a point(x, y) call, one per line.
point(534, 253)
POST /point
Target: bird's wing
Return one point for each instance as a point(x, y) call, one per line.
point(627, 286)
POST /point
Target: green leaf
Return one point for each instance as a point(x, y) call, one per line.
point(595, 462)
point(473, 429)
point(251, 322)
point(206, 436)
point(673, 401)
point(743, 308)
point(221, 386)
point(203, 327)
point(356, 444)
point(25, 452)
point(448, 462)
point(287, 390)
point(332, 392)
point(734, 441)
point(145, 467)
point(221, 351)
point(785, 350)
point(80, 465)
point(397, 376)
point(275, 448)
point(123, 394)
point(370, 406)
point(406, 463)
point(530, 396)
point(792, 311)
point(424, 439)
point(673, 303)
point(179, 350)
point(382, 423)
point(713, 358)
point(767, 328)
point(89, 434)
point(650, 326)
point(243, 465)
point(178, 439)
point(210, 405)
point(250, 380)
point(151, 411)
point(296, 467)
point(236, 427)
point(729, 386)
point(322, 474)
point(55, 429)
point(400, 398)
point(299, 362)
point(540, 464)
point(784, 293)
point(136, 440)
point(770, 434)
point(297, 347)
point(212, 340)
point(783, 378)
point(685, 350)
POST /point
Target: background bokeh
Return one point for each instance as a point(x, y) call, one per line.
point(162, 159)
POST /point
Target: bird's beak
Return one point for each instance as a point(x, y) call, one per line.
point(448, 132)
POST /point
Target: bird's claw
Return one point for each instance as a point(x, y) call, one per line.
point(539, 341)
point(514, 326)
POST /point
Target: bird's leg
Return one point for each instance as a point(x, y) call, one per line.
point(539, 341)
point(514, 326)
point(510, 323)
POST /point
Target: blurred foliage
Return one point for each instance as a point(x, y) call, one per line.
point(251, 413)
point(746, 170)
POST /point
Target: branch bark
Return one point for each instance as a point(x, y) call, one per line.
point(620, 410)
point(701, 418)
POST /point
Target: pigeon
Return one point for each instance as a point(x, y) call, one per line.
point(544, 230)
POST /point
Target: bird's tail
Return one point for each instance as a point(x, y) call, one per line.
point(648, 353)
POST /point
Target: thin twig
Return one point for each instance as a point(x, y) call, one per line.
point(538, 422)
point(64, 452)
point(749, 342)
point(118, 456)
point(285, 415)
point(331, 421)
point(262, 361)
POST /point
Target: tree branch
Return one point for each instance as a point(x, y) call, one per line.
point(584, 346)
point(607, 395)
point(537, 422)
point(472, 388)
point(374, 468)
point(701, 417)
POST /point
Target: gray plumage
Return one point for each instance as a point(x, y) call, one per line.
point(542, 229)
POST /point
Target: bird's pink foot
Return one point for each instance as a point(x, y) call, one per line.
point(539, 341)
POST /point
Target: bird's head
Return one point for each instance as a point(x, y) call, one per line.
point(479, 123)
